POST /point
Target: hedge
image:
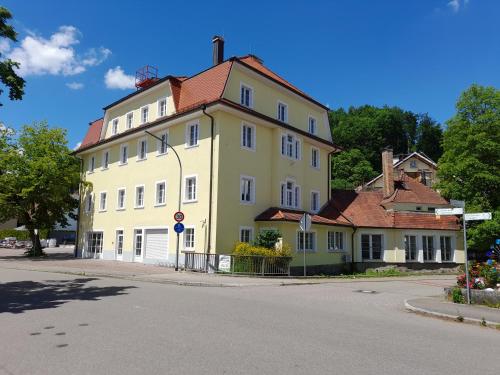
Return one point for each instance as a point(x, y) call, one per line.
point(21, 235)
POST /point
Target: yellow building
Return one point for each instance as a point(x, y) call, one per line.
point(255, 153)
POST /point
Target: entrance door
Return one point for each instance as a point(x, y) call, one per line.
point(119, 244)
point(156, 244)
point(94, 245)
point(138, 245)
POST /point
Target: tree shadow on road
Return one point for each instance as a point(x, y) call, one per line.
point(19, 296)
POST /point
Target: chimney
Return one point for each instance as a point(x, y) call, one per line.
point(218, 50)
point(388, 172)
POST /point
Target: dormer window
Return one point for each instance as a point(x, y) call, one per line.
point(246, 96)
point(162, 107)
point(312, 125)
point(282, 112)
point(114, 127)
point(144, 114)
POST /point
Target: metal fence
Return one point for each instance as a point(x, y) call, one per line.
point(237, 264)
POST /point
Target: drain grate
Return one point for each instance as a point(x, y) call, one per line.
point(366, 291)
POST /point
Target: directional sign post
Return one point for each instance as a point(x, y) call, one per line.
point(459, 210)
point(305, 225)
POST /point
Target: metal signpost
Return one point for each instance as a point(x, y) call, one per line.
point(178, 228)
point(305, 225)
point(460, 210)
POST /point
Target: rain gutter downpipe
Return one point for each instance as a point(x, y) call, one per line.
point(212, 125)
point(75, 252)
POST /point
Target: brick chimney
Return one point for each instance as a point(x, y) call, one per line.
point(218, 49)
point(388, 172)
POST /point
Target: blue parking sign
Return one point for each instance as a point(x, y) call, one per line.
point(179, 228)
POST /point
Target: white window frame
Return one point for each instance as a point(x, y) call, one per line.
point(434, 248)
point(157, 203)
point(101, 207)
point(103, 161)
point(129, 124)
point(314, 129)
point(91, 166)
point(119, 255)
point(118, 207)
point(370, 247)
point(185, 195)
point(313, 151)
point(243, 138)
point(283, 198)
point(188, 134)
point(191, 248)
point(114, 126)
point(136, 196)
point(315, 192)
point(159, 144)
point(161, 100)
point(252, 190)
point(299, 243)
point(250, 97)
point(409, 250)
point(89, 202)
point(332, 241)
point(138, 232)
point(281, 103)
point(146, 107)
point(452, 248)
point(295, 146)
point(122, 146)
point(139, 148)
point(251, 233)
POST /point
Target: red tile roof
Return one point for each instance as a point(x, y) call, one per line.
point(365, 209)
point(409, 190)
point(281, 214)
point(93, 134)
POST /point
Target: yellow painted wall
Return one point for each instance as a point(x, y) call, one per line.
point(266, 96)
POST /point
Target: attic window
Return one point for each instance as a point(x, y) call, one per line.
point(413, 164)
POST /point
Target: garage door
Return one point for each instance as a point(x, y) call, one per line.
point(156, 244)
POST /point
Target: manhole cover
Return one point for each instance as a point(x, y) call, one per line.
point(366, 291)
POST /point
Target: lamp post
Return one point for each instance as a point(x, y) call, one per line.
point(180, 192)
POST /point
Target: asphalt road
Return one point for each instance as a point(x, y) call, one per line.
point(58, 324)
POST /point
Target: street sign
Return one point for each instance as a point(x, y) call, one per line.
point(179, 216)
point(449, 211)
point(457, 203)
point(179, 228)
point(478, 216)
point(305, 222)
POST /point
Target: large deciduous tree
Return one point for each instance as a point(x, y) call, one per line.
point(38, 179)
point(470, 166)
point(8, 75)
point(351, 169)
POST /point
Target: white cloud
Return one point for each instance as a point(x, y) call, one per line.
point(77, 146)
point(4, 46)
point(56, 55)
point(116, 78)
point(456, 5)
point(75, 85)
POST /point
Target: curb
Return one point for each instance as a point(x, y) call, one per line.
point(425, 312)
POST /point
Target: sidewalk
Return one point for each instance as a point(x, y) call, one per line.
point(438, 307)
point(61, 260)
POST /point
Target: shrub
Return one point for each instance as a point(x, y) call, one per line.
point(481, 275)
point(267, 238)
point(456, 295)
point(243, 248)
point(21, 235)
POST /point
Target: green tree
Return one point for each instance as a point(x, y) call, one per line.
point(370, 129)
point(351, 169)
point(38, 176)
point(7, 74)
point(470, 166)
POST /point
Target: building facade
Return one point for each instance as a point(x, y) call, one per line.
point(255, 154)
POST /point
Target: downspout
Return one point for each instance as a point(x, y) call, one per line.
point(79, 208)
point(212, 122)
point(329, 187)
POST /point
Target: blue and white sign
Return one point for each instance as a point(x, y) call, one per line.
point(179, 228)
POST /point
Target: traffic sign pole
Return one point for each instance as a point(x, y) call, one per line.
point(466, 260)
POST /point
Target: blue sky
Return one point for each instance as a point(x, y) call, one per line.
point(415, 54)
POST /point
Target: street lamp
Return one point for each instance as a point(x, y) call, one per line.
point(180, 192)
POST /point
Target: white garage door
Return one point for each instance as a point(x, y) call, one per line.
point(156, 244)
